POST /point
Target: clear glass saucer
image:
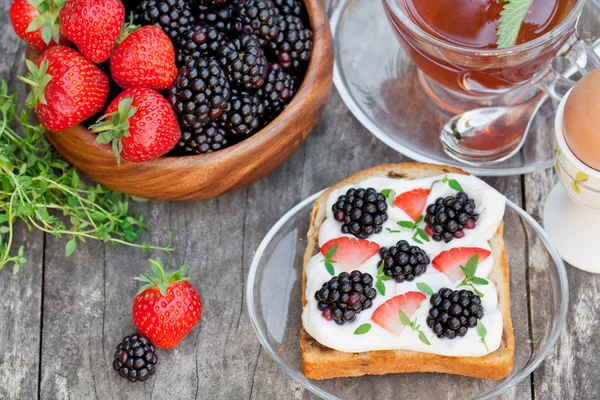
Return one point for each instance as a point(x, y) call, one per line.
point(380, 86)
point(274, 302)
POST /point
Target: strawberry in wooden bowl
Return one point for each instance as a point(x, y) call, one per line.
point(246, 80)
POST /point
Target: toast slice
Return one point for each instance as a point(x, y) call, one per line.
point(321, 362)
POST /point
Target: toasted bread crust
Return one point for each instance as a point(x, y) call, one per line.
point(321, 362)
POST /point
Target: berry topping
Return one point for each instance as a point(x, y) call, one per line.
point(135, 358)
point(361, 211)
point(245, 61)
point(449, 217)
point(413, 202)
point(388, 314)
point(172, 16)
point(200, 93)
point(350, 253)
point(449, 262)
point(453, 312)
point(345, 295)
point(404, 262)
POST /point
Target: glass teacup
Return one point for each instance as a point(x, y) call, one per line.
point(460, 78)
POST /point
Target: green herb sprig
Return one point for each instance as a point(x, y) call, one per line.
point(381, 278)
point(361, 330)
point(41, 189)
point(470, 279)
point(453, 183)
point(390, 195)
point(329, 261)
point(482, 332)
point(419, 233)
point(413, 325)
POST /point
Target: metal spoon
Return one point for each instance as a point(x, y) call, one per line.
point(489, 135)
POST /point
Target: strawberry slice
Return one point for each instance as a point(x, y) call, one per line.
point(387, 315)
point(449, 262)
point(351, 252)
point(412, 202)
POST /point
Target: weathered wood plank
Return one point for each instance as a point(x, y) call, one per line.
point(20, 314)
point(570, 371)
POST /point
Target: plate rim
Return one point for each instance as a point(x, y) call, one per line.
point(367, 123)
point(502, 388)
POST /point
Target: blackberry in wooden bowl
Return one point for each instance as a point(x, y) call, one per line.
point(272, 113)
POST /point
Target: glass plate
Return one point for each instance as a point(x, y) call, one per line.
point(274, 302)
point(379, 85)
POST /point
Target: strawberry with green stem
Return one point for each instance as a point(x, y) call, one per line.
point(36, 22)
point(144, 57)
point(140, 124)
point(167, 307)
point(66, 89)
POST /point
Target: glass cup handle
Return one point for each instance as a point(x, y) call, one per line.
point(580, 55)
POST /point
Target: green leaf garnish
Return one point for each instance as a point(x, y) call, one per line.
point(452, 183)
point(425, 288)
point(413, 325)
point(511, 19)
point(392, 230)
point(390, 195)
point(419, 232)
point(381, 277)
point(470, 279)
point(482, 332)
point(361, 330)
point(328, 260)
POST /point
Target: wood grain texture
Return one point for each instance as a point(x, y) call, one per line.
point(20, 314)
point(208, 175)
point(87, 298)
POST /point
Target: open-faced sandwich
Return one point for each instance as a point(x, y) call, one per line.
point(406, 270)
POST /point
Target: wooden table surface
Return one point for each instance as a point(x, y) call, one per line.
point(61, 318)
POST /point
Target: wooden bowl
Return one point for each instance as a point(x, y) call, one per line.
point(209, 175)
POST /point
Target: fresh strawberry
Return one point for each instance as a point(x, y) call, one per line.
point(350, 253)
point(413, 202)
point(66, 89)
point(140, 124)
point(37, 25)
point(93, 25)
point(450, 261)
point(145, 58)
point(168, 307)
point(387, 315)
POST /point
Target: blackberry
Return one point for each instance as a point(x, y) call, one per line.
point(257, 17)
point(278, 90)
point(289, 7)
point(448, 217)
point(453, 312)
point(404, 262)
point(245, 61)
point(361, 211)
point(345, 295)
point(244, 113)
point(135, 358)
point(200, 93)
point(213, 3)
point(293, 44)
point(211, 137)
point(197, 41)
point(172, 16)
point(221, 18)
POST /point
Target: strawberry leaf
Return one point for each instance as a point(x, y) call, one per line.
point(479, 281)
point(453, 183)
point(406, 224)
point(331, 252)
point(329, 268)
point(380, 286)
point(471, 266)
